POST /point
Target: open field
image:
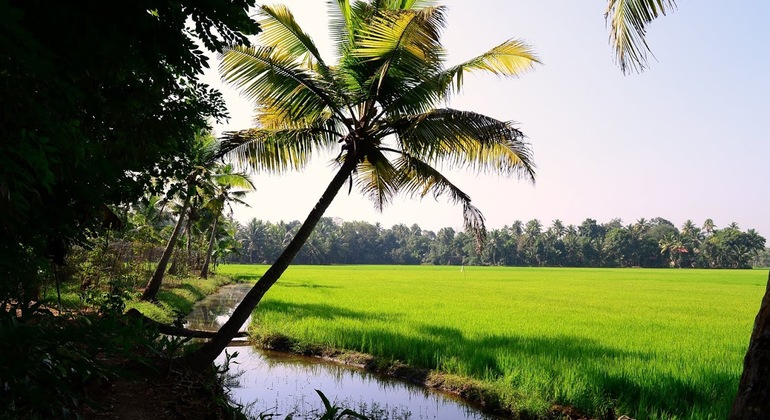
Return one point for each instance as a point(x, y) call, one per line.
point(650, 343)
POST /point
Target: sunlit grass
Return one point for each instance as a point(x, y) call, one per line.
point(649, 343)
point(177, 296)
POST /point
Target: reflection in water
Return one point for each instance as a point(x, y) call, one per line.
point(283, 384)
point(214, 310)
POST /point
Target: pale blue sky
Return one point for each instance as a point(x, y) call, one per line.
point(685, 139)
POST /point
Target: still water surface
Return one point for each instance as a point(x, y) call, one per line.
point(283, 384)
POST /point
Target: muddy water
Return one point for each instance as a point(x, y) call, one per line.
point(283, 384)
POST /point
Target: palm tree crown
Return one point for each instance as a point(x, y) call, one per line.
point(225, 187)
point(378, 104)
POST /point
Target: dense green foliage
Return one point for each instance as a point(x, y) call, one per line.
point(100, 103)
point(762, 259)
point(647, 343)
point(50, 366)
point(127, 257)
point(47, 366)
point(653, 243)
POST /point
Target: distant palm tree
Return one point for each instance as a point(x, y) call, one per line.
point(558, 228)
point(517, 228)
point(641, 226)
point(202, 162)
point(690, 229)
point(223, 183)
point(378, 105)
point(148, 217)
point(672, 245)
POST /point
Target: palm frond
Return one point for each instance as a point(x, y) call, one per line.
point(269, 77)
point(467, 140)
point(340, 24)
point(418, 178)
point(227, 177)
point(281, 31)
point(416, 99)
point(377, 179)
point(236, 197)
point(404, 46)
point(512, 58)
point(408, 4)
point(509, 59)
point(402, 35)
point(276, 151)
point(628, 21)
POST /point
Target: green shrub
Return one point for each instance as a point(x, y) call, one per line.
point(47, 363)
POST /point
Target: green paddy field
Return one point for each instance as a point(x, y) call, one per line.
point(648, 343)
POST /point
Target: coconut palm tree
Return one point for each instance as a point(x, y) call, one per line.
point(377, 106)
point(147, 218)
point(223, 182)
point(671, 246)
point(558, 228)
point(202, 158)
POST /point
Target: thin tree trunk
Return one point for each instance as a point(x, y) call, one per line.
point(157, 277)
point(753, 399)
point(207, 353)
point(205, 269)
point(174, 269)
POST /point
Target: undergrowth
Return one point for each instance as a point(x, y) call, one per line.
point(47, 363)
point(51, 357)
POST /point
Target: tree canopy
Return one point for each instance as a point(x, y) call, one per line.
point(100, 103)
point(645, 243)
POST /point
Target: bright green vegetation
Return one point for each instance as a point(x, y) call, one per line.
point(650, 343)
point(177, 297)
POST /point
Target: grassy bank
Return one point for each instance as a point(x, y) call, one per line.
point(647, 343)
point(177, 297)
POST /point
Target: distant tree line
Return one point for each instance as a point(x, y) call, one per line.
point(647, 243)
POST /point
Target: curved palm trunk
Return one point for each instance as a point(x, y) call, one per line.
point(157, 277)
point(205, 269)
point(206, 354)
point(753, 399)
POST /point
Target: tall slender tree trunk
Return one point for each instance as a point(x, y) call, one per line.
point(207, 353)
point(205, 269)
point(753, 399)
point(174, 269)
point(157, 277)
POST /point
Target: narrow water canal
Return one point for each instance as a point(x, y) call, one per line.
point(282, 384)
